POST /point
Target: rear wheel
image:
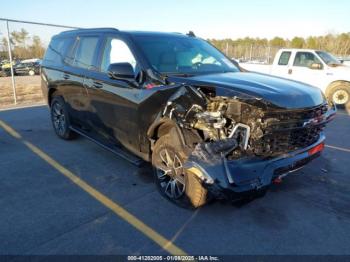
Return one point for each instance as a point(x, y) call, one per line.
point(340, 94)
point(60, 119)
point(172, 179)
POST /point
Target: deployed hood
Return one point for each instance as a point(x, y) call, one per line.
point(278, 91)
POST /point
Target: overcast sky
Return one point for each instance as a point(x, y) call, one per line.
point(208, 19)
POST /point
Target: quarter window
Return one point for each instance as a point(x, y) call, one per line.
point(305, 59)
point(284, 58)
point(57, 48)
point(84, 56)
point(116, 51)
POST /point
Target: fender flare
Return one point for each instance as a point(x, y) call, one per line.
point(160, 126)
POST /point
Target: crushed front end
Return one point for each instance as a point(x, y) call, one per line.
point(240, 144)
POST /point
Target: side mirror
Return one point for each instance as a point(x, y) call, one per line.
point(341, 61)
point(121, 71)
point(316, 66)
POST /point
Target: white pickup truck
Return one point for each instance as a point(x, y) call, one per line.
point(317, 68)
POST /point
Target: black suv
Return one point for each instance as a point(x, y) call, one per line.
point(209, 128)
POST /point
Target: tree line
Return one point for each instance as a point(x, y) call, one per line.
point(24, 46)
point(337, 44)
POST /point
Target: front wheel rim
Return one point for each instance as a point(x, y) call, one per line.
point(340, 97)
point(170, 174)
point(58, 118)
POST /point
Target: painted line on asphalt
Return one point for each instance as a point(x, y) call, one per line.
point(339, 148)
point(107, 202)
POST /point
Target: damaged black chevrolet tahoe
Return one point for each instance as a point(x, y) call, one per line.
point(209, 128)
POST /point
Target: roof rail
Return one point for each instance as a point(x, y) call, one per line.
point(99, 28)
point(90, 30)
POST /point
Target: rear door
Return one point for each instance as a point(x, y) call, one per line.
point(79, 63)
point(281, 69)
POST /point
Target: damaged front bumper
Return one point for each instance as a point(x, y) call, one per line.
point(231, 178)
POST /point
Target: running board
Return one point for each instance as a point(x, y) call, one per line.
point(116, 150)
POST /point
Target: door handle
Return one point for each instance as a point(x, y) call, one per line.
point(66, 76)
point(97, 84)
point(290, 71)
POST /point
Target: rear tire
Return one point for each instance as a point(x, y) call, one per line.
point(60, 119)
point(339, 94)
point(173, 181)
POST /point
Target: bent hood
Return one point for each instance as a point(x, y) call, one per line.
point(278, 91)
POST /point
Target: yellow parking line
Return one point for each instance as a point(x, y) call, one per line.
point(339, 148)
point(117, 209)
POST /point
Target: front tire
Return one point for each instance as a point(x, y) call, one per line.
point(60, 119)
point(173, 181)
point(340, 94)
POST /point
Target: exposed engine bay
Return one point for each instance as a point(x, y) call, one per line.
point(236, 127)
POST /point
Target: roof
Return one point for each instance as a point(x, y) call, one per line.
point(114, 30)
point(89, 30)
point(298, 49)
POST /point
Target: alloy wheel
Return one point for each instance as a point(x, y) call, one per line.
point(58, 118)
point(170, 174)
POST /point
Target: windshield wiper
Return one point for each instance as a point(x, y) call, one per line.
point(178, 74)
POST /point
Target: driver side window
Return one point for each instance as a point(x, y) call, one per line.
point(305, 59)
point(116, 51)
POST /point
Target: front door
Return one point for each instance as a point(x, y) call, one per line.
point(300, 69)
point(113, 107)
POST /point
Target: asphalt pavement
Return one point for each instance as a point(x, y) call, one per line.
point(47, 206)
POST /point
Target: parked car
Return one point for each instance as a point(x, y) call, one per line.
point(5, 68)
point(27, 67)
point(314, 67)
point(209, 129)
point(4, 72)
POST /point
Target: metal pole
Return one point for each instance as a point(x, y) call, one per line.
point(11, 65)
point(251, 51)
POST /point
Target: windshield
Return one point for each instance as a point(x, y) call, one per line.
point(328, 58)
point(179, 55)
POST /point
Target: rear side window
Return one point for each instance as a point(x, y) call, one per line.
point(284, 58)
point(84, 56)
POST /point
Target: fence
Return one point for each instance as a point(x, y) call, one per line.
point(11, 39)
point(251, 53)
